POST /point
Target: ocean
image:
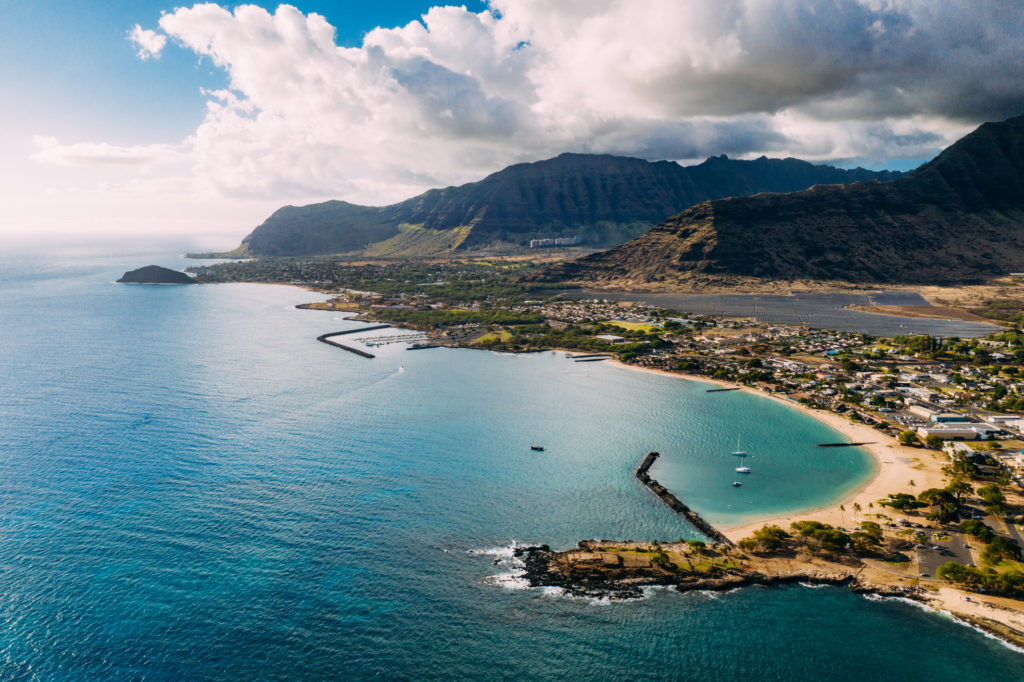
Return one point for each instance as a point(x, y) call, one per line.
point(191, 487)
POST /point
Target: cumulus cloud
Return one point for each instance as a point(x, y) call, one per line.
point(147, 43)
point(461, 93)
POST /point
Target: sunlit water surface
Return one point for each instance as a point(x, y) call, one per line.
point(191, 487)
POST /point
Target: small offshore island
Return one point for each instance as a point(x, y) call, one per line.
point(155, 274)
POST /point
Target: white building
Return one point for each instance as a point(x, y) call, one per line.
point(960, 431)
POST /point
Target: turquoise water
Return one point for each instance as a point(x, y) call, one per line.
point(192, 487)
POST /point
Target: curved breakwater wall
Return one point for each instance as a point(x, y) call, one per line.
point(326, 338)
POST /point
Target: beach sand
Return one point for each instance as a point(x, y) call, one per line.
point(896, 466)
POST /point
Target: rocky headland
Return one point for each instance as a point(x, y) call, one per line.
point(608, 569)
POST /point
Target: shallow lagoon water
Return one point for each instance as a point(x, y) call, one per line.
point(192, 487)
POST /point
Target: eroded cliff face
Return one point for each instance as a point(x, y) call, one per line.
point(958, 219)
point(604, 200)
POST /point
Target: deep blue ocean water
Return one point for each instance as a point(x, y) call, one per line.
point(191, 487)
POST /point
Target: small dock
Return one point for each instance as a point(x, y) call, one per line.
point(591, 357)
point(326, 338)
point(675, 504)
point(721, 390)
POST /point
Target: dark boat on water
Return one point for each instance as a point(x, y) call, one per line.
point(538, 448)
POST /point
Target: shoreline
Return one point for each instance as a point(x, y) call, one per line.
point(621, 570)
point(997, 617)
point(890, 475)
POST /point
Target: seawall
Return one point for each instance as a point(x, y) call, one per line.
point(326, 338)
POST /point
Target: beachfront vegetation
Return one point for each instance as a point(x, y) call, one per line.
point(907, 437)
point(994, 499)
point(821, 537)
point(1010, 581)
point(978, 529)
point(902, 501)
point(1000, 548)
point(766, 539)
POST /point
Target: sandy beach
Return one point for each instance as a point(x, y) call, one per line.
point(896, 466)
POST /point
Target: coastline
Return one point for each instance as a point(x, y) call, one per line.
point(891, 474)
point(999, 617)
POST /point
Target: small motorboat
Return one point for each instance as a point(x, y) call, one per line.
point(742, 470)
point(736, 484)
point(538, 448)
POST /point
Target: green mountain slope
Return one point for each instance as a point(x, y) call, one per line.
point(957, 219)
point(604, 200)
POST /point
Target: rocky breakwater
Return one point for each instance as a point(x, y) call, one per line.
point(675, 504)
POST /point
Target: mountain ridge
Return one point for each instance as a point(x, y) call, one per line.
point(603, 199)
point(957, 219)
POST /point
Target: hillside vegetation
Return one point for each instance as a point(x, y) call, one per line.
point(603, 200)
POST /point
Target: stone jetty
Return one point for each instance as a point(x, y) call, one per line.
point(326, 338)
point(675, 504)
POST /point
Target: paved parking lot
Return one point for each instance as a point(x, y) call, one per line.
point(929, 559)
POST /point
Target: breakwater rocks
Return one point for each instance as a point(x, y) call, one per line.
point(675, 504)
point(326, 338)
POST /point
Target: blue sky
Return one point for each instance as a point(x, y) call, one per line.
point(69, 64)
point(210, 117)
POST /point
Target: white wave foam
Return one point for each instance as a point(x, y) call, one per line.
point(506, 552)
point(710, 594)
point(510, 581)
point(813, 586)
point(942, 612)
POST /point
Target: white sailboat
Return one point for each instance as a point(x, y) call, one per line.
point(737, 451)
